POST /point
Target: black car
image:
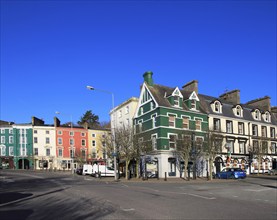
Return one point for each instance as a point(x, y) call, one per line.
point(79, 171)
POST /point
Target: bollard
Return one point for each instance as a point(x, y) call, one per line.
point(165, 177)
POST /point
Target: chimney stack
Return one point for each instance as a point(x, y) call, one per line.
point(148, 78)
point(36, 121)
point(231, 96)
point(57, 122)
point(261, 103)
point(274, 111)
point(191, 86)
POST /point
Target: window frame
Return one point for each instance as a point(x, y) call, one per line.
point(229, 126)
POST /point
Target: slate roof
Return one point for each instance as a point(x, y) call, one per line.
point(160, 93)
point(227, 109)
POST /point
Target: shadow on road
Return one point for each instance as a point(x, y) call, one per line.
point(16, 214)
point(12, 196)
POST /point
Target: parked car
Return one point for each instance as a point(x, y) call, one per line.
point(79, 171)
point(231, 173)
point(272, 172)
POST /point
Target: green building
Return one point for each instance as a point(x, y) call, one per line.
point(164, 115)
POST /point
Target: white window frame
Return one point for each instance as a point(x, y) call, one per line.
point(176, 101)
point(217, 107)
point(11, 151)
point(200, 125)
point(216, 124)
point(48, 152)
point(3, 150)
point(240, 127)
point(10, 139)
point(60, 152)
point(154, 141)
point(154, 120)
point(241, 147)
point(60, 141)
point(186, 124)
point(3, 139)
point(171, 123)
point(172, 142)
point(229, 127)
point(254, 130)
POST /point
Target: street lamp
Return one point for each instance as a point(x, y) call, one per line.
point(112, 129)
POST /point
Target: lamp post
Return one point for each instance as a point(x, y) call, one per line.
point(112, 129)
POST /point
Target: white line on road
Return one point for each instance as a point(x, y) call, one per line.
point(127, 210)
point(257, 190)
point(203, 197)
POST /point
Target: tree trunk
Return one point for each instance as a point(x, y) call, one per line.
point(210, 168)
point(127, 170)
point(185, 171)
point(137, 168)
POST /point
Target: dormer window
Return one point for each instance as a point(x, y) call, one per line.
point(267, 117)
point(238, 111)
point(217, 107)
point(192, 102)
point(176, 95)
point(257, 114)
point(176, 101)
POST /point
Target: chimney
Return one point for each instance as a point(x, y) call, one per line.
point(274, 111)
point(148, 78)
point(231, 96)
point(57, 122)
point(261, 103)
point(191, 86)
point(36, 121)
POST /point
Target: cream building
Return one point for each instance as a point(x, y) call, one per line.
point(123, 114)
point(44, 145)
point(97, 151)
point(249, 132)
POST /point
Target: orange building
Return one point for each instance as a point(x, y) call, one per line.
point(71, 145)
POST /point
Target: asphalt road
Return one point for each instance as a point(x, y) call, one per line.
point(46, 195)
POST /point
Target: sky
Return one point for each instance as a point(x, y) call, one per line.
point(51, 50)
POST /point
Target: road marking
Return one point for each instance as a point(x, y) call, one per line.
point(257, 190)
point(127, 210)
point(203, 197)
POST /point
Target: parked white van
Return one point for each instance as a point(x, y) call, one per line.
point(105, 170)
point(87, 169)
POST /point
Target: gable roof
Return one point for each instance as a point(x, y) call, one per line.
point(160, 94)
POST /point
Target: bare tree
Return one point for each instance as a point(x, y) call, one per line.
point(213, 146)
point(124, 139)
point(142, 147)
point(189, 148)
point(79, 158)
point(259, 149)
point(183, 150)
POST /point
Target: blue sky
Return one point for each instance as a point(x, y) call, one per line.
point(51, 50)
